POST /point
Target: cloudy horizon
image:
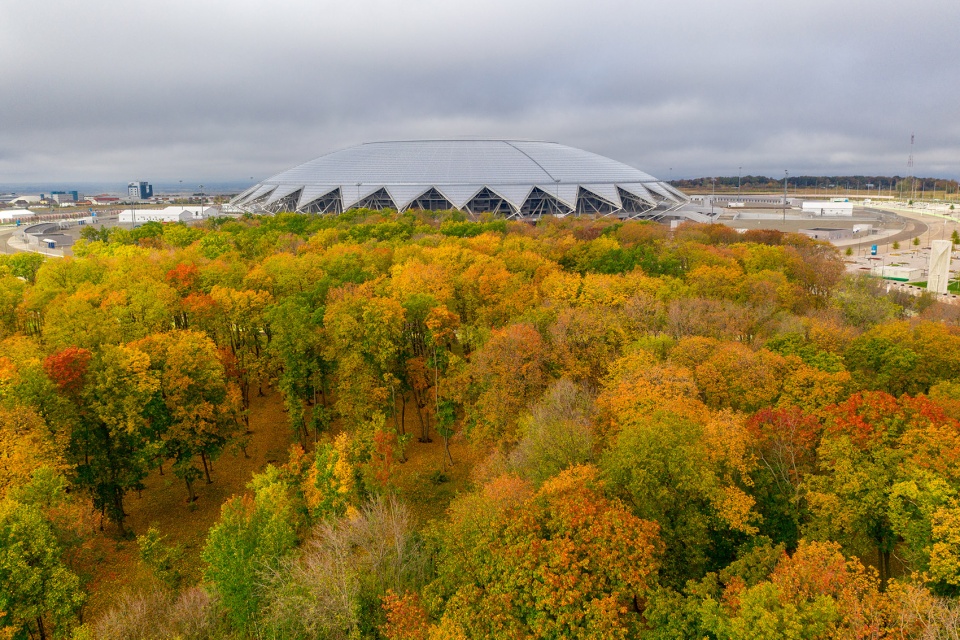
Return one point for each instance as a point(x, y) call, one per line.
point(233, 91)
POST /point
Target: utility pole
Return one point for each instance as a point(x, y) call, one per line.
point(739, 171)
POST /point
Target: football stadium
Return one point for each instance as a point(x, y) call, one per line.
point(515, 178)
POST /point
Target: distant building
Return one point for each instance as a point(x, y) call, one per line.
point(61, 197)
point(139, 190)
point(14, 199)
point(103, 199)
point(10, 215)
point(168, 214)
point(827, 233)
point(828, 208)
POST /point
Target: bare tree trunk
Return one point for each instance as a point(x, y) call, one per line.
point(40, 628)
point(191, 497)
point(396, 422)
point(426, 428)
point(118, 505)
point(884, 569)
point(446, 448)
point(206, 469)
point(419, 404)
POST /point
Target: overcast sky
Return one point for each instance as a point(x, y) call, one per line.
point(228, 90)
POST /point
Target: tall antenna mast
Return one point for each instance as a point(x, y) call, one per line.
point(913, 185)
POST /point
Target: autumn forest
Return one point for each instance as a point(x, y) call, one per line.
point(427, 427)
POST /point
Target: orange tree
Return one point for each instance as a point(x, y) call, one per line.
point(566, 562)
point(506, 373)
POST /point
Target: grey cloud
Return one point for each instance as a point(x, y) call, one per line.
point(226, 90)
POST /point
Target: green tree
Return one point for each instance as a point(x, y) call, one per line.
point(163, 559)
point(197, 407)
point(690, 478)
point(38, 593)
point(251, 537)
point(24, 265)
point(109, 439)
point(296, 345)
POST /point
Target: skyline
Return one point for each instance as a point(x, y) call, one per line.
point(232, 92)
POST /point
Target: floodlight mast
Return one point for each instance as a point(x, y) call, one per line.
point(785, 174)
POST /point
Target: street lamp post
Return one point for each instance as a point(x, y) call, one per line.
point(739, 172)
point(713, 197)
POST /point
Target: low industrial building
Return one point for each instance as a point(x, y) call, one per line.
point(103, 199)
point(12, 215)
point(827, 233)
point(828, 208)
point(168, 214)
point(900, 274)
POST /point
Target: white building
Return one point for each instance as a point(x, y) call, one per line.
point(21, 200)
point(9, 215)
point(828, 208)
point(900, 274)
point(169, 214)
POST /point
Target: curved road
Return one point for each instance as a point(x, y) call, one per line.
point(913, 229)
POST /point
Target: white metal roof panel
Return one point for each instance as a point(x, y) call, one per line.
point(607, 192)
point(281, 191)
point(262, 190)
point(656, 187)
point(515, 194)
point(566, 193)
point(404, 194)
point(638, 190)
point(312, 192)
point(459, 194)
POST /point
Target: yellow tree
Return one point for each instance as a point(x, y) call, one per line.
point(364, 333)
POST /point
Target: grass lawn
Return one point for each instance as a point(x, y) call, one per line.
point(953, 287)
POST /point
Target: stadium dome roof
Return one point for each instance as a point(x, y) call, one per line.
point(513, 177)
